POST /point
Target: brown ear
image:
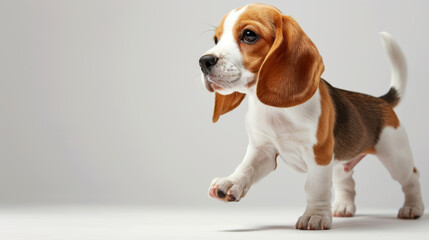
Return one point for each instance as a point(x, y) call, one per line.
point(291, 71)
point(226, 103)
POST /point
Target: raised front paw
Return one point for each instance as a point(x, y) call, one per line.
point(314, 222)
point(228, 189)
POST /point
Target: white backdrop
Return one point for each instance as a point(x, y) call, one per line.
point(102, 102)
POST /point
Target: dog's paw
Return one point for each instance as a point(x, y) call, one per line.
point(343, 209)
point(410, 212)
point(314, 222)
point(228, 189)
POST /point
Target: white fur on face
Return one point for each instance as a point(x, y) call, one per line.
point(229, 72)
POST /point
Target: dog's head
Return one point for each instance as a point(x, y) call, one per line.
point(258, 45)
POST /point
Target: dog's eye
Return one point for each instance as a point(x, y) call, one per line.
point(215, 40)
point(249, 36)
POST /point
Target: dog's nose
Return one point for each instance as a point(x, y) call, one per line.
point(207, 62)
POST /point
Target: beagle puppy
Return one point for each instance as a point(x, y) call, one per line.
point(296, 115)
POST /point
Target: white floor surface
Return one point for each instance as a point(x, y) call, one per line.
point(147, 223)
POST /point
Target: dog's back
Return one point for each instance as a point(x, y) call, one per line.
point(359, 121)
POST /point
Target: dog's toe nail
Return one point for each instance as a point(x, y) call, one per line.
point(220, 193)
point(231, 198)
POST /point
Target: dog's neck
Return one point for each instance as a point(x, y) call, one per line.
point(250, 91)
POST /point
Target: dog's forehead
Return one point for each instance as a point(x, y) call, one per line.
point(253, 12)
point(229, 20)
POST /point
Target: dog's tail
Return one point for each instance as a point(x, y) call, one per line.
point(398, 80)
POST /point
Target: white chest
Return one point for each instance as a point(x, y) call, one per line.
point(291, 131)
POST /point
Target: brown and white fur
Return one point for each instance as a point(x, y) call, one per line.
point(296, 115)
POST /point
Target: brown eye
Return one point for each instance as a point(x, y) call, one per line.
point(215, 40)
point(249, 36)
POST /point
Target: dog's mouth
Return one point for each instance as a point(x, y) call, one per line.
point(211, 86)
point(208, 85)
point(216, 85)
point(223, 76)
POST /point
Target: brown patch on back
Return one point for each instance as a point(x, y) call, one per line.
point(359, 120)
point(414, 170)
point(390, 118)
point(369, 151)
point(324, 148)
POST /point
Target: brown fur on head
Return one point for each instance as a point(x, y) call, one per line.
point(286, 63)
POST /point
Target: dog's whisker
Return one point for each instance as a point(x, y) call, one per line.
point(210, 25)
point(210, 30)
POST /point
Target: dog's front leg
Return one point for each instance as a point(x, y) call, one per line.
point(258, 162)
point(318, 191)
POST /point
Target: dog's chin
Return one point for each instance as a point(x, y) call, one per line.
point(208, 86)
point(216, 87)
point(212, 86)
point(225, 91)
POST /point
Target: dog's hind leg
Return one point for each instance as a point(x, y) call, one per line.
point(344, 186)
point(394, 152)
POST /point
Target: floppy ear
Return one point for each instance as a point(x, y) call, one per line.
point(226, 103)
point(291, 71)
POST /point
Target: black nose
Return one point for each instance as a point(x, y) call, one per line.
point(207, 62)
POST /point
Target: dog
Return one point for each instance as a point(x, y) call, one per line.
point(296, 115)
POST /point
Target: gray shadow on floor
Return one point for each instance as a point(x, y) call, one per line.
point(358, 222)
point(377, 221)
point(261, 228)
